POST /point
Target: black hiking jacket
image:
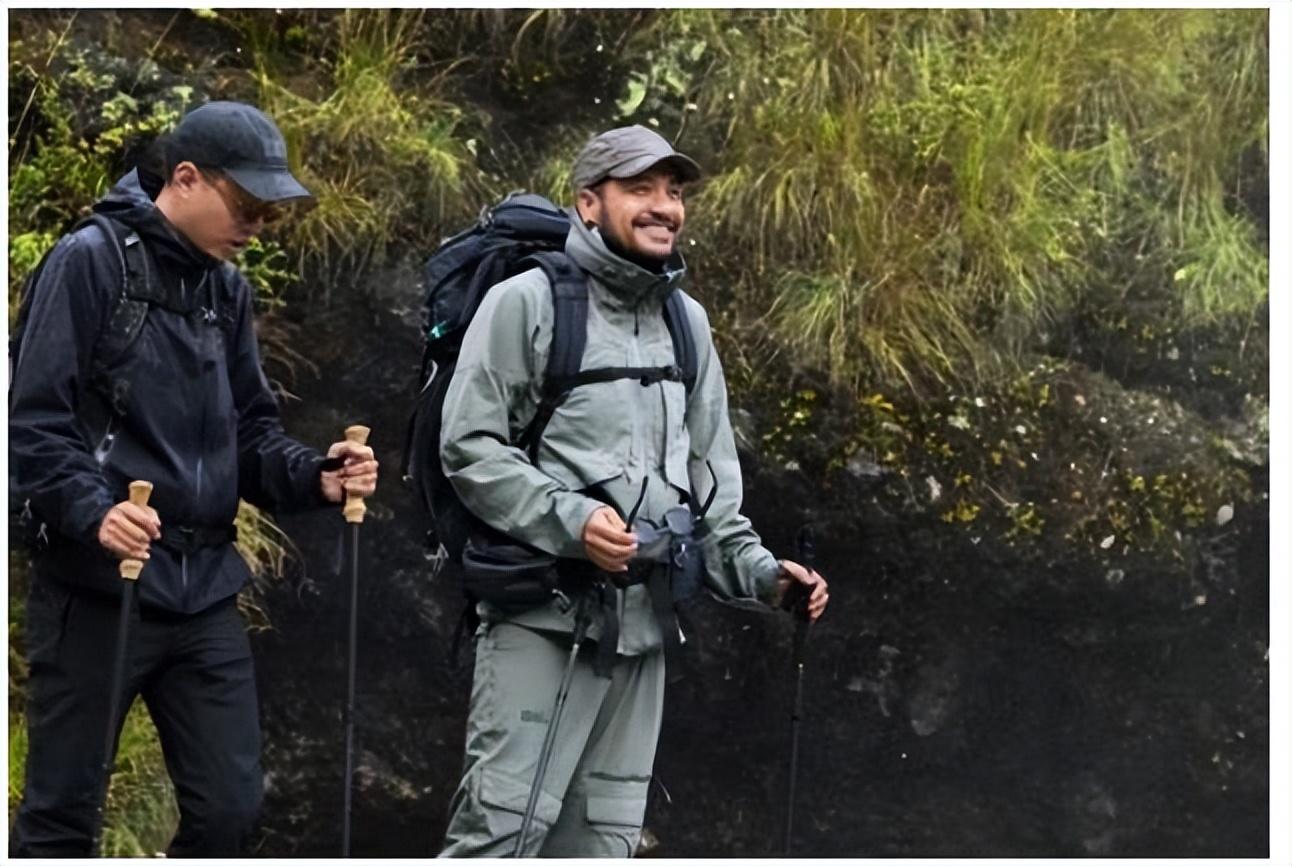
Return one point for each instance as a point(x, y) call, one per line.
point(200, 421)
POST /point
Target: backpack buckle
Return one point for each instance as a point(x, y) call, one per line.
point(671, 373)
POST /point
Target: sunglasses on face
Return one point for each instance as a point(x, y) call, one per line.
point(244, 206)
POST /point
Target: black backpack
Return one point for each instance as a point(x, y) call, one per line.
point(140, 292)
point(521, 232)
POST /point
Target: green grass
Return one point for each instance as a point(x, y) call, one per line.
point(141, 814)
point(916, 196)
point(266, 549)
point(381, 147)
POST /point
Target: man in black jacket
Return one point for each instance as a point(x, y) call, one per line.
point(179, 400)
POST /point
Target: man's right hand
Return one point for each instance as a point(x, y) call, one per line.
point(607, 541)
point(127, 530)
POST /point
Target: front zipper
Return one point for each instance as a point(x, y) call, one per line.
point(622, 604)
point(207, 323)
point(207, 319)
point(638, 447)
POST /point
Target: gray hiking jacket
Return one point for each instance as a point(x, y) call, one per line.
point(611, 434)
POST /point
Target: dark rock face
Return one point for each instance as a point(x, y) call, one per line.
point(960, 700)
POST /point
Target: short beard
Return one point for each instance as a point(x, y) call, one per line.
point(613, 243)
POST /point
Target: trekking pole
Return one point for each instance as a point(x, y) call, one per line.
point(807, 558)
point(129, 568)
point(353, 512)
point(544, 756)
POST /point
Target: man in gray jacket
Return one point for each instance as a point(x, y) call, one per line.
point(629, 442)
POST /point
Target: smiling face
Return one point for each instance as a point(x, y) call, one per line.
point(212, 211)
point(643, 214)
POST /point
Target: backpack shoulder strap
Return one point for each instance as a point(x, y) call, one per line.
point(116, 232)
point(569, 339)
point(131, 308)
point(679, 328)
point(569, 319)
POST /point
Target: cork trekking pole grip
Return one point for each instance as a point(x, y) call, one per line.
point(139, 493)
point(354, 508)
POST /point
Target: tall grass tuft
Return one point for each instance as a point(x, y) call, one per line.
point(380, 143)
point(266, 550)
point(917, 195)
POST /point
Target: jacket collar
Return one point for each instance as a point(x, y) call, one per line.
point(131, 200)
point(628, 285)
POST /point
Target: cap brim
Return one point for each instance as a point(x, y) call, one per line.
point(269, 184)
point(688, 170)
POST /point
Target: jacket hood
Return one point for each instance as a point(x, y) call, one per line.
point(627, 282)
point(131, 201)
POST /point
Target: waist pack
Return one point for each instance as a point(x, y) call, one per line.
point(503, 572)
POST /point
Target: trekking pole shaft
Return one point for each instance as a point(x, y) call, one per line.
point(129, 570)
point(353, 512)
point(114, 708)
point(807, 558)
point(351, 663)
point(544, 756)
point(794, 756)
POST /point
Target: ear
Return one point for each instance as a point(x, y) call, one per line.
point(589, 207)
point(185, 178)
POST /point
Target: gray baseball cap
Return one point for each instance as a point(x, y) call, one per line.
point(625, 152)
point(241, 141)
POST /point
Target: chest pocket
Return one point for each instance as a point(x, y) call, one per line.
point(584, 443)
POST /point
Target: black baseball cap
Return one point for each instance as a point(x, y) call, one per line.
point(241, 141)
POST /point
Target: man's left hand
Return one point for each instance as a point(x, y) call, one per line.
point(357, 475)
point(820, 594)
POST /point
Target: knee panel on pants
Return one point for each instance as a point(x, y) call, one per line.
point(606, 821)
point(487, 823)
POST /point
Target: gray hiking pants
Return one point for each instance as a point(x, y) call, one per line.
point(594, 793)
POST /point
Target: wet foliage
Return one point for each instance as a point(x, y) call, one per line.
point(990, 289)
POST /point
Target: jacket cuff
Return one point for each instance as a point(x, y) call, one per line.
point(765, 576)
point(86, 528)
point(573, 511)
point(309, 483)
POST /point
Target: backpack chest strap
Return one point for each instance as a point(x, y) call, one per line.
point(562, 385)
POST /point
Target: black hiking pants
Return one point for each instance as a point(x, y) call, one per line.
point(195, 675)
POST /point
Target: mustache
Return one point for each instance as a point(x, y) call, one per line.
point(647, 222)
